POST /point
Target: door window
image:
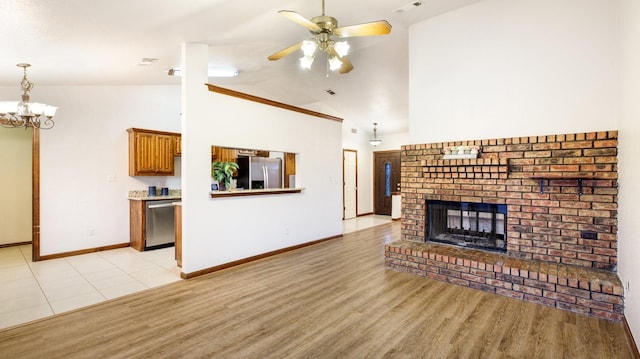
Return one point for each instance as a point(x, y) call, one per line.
point(387, 179)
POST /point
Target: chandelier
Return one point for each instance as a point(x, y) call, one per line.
point(375, 140)
point(23, 114)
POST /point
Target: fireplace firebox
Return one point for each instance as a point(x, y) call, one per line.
point(467, 224)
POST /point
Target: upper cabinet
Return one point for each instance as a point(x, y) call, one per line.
point(177, 146)
point(151, 152)
point(223, 154)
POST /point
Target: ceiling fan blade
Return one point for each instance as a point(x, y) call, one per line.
point(299, 19)
point(374, 28)
point(346, 66)
point(282, 53)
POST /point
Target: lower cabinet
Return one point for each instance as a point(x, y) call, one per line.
point(137, 224)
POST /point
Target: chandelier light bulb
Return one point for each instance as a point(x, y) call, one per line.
point(8, 107)
point(23, 109)
point(36, 108)
point(50, 111)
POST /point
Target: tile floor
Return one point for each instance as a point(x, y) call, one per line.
point(358, 223)
point(29, 291)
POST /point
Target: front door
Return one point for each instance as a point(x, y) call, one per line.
point(386, 178)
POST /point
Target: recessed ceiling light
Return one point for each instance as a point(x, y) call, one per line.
point(146, 61)
point(222, 72)
point(212, 72)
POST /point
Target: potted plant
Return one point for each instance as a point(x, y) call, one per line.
point(222, 173)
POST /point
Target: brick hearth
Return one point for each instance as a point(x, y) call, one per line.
point(568, 227)
point(592, 292)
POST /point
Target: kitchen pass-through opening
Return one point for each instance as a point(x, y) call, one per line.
point(467, 224)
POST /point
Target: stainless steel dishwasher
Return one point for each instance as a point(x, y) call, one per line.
point(160, 232)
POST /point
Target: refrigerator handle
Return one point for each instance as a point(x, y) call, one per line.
point(266, 176)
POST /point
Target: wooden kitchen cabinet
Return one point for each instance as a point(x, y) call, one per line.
point(137, 224)
point(289, 169)
point(177, 145)
point(222, 154)
point(151, 152)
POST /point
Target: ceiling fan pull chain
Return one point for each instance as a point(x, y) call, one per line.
point(327, 65)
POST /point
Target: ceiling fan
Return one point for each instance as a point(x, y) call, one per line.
point(323, 27)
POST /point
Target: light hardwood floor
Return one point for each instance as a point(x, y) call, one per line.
point(331, 300)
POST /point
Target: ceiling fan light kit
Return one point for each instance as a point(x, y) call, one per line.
point(323, 27)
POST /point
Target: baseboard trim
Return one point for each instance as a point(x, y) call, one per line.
point(14, 244)
point(238, 262)
point(364, 214)
point(84, 251)
point(627, 329)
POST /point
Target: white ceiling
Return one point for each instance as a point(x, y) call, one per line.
point(100, 42)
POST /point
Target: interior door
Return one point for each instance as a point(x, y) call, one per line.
point(350, 189)
point(386, 178)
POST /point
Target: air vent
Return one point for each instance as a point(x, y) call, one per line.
point(146, 61)
point(407, 7)
point(330, 92)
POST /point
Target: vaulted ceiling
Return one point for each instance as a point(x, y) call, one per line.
point(100, 42)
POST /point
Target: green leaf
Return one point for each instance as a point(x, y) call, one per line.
point(223, 172)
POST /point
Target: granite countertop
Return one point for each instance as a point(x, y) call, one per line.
point(254, 192)
point(143, 195)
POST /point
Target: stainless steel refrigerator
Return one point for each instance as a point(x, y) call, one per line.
point(259, 172)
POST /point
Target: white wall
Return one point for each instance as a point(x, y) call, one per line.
point(504, 68)
point(86, 147)
point(218, 231)
point(15, 179)
point(629, 157)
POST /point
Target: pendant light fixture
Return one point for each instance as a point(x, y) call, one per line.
point(375, 141)
point(23, 114)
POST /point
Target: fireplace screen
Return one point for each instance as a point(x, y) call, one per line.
point(475, 225)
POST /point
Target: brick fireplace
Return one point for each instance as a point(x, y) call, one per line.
point(560, 195)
